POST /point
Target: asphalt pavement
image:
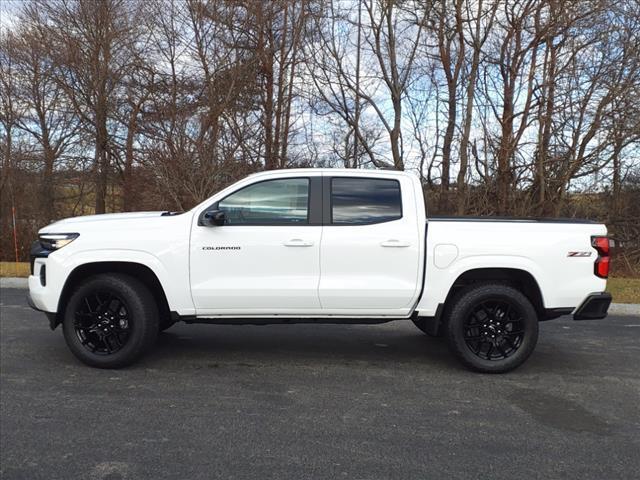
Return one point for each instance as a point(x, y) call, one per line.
point(318, 402)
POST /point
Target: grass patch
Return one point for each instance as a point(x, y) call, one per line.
point(13, 269)
point(624, 290)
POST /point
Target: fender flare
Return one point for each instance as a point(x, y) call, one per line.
point(435, 295)
point(124, 256)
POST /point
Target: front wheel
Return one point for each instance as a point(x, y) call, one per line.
point(110, 321)
point(491, 328)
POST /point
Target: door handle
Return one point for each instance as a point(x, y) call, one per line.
point(298, 242)
point(393, 242)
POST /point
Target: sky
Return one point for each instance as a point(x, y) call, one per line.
point(8, 11)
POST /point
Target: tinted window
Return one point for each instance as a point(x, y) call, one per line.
point(283, 201)
point(357, 201)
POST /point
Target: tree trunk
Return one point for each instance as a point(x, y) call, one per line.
point(468, 118)
point(546, 124)
point(448, 140)
point(264, 50)
point(102, 165)
point(394, 135)
point(504, 174)
point(269, 152)
point(128, 202)
point(47, 201)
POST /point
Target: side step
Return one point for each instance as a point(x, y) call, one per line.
point(283, 320)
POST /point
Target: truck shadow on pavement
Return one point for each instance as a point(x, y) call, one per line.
point(387, 346)
point(299, 345)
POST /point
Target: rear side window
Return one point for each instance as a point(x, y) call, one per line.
point(362, 201)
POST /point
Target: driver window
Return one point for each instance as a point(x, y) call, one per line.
point(283, 201)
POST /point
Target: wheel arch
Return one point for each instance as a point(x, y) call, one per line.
point(518, 278)
point(138, 271)
point(521, 279)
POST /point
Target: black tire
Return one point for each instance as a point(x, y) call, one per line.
point(421, 323)
point(491, 328)
point(119, 305)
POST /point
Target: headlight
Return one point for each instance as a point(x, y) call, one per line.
point(55, 241)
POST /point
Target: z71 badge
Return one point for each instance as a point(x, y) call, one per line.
point(579, 254)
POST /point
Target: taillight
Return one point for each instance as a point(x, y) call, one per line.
point(601, 267)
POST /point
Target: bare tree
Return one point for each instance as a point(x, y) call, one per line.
point(479, 29)
point(90, 43)
point(390, 22)
point(10, 111)
point(447, 24)
point(391, 38)
point(47, 117)
point(516, 61)
point(281, 27)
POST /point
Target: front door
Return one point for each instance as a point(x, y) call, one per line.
point(266, 258)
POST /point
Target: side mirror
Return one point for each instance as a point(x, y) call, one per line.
point(215, 218)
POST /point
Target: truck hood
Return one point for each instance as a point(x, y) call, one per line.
point(64, 224)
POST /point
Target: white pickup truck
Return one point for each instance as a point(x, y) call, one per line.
point(320, 246)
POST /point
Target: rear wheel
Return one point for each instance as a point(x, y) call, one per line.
point(110, 321)
point(491, 328)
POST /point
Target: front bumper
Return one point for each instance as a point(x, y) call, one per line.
point(51, 316)
point(594, 307)
point(41, 297)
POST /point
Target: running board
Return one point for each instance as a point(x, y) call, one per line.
point(284, 320)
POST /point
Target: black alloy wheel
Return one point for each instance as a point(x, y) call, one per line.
point(110, 320)
point(494, 330)
point(491, 327)
point(102, 322)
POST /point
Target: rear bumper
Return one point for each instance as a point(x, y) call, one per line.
point(594, 307)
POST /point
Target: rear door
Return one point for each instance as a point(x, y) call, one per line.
point(370, 250)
